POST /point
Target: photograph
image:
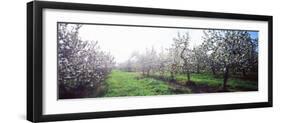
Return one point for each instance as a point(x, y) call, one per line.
point(111, 60)
point(90, 60)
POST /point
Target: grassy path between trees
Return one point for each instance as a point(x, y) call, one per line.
point(121, 83)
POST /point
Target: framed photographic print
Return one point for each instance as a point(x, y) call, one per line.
point(94, 61)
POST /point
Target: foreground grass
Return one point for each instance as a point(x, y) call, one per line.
point(121, 83)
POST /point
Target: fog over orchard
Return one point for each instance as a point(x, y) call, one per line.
point(122, 41)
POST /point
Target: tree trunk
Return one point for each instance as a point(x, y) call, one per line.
point(214, 71)
point(172, 76)
point(186, 70)
point(225, 78)
point(244, 72)
point(188, 76)
point(198, 68)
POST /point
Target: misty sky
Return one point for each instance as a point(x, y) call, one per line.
point(121, 41)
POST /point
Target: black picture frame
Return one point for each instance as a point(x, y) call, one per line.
point(35, 69)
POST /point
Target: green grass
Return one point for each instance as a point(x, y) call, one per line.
point(205, 78)
point(121, 83)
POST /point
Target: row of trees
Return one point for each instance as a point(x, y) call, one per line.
point(222, 51)
point(82, 65)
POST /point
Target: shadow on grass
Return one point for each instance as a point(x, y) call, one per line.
point(212, 86)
